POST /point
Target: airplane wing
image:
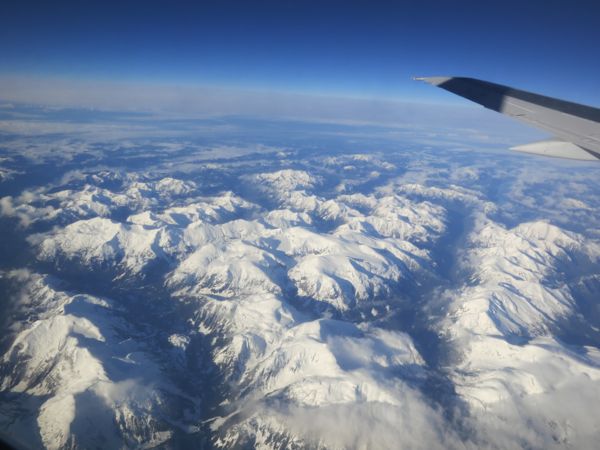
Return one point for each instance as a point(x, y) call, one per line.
point(576, 127)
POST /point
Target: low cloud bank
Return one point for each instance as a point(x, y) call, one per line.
point(208, 101)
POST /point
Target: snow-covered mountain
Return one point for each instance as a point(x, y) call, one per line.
point(79, 373)
point(300, 300)
point(512, 326)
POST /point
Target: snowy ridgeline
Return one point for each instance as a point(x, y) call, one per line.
point(286, 312)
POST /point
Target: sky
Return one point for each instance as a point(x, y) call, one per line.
point(350, 49)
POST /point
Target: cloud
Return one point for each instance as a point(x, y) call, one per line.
point(217, 101)
point(413, 424)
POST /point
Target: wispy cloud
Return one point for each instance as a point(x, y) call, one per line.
point(210, 101)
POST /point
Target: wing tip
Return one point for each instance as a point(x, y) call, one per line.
point(435, 81)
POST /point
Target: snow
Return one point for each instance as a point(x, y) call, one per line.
point(100, 242)
point(502, 325)
point(63, 358)
point(285, 181)
point(363, 300)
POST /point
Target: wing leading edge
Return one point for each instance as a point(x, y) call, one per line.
point(576, 127)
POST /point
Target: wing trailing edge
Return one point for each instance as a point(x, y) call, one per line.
point(555, 149)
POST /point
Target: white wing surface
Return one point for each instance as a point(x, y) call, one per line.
point(576, 127)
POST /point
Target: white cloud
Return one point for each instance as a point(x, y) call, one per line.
point(214, 101)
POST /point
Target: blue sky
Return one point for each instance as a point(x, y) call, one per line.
point(362, 49)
